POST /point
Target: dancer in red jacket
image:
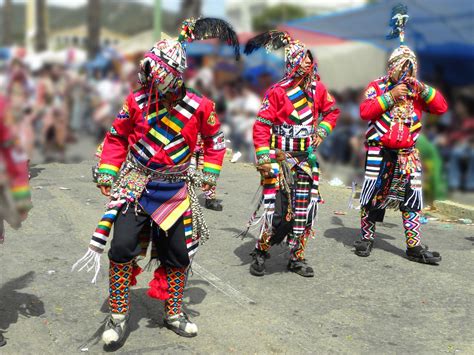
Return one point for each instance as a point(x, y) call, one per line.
point(15, 193)
point(393, 107)
point(144, 168)
point(285, 134)
point(15, 198)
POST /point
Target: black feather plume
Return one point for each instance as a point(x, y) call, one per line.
point(398, 22)
point(270, 40)
point(209, 27)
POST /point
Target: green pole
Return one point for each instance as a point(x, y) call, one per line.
point(157, 20)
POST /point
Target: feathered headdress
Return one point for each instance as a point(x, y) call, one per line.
point(273, 40)
point(206, 28)
point(398, 22)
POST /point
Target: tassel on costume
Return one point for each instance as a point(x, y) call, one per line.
point(136, 270)
point(90, 261)
point(159, 285)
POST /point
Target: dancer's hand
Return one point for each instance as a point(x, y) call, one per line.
point(317, 141)
point(206, 187)
point(105, 190)
point(399, 91)
point(265, 170)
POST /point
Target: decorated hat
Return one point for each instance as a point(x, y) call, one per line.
point(166, 62)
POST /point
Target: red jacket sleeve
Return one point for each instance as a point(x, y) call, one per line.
point(327, 107)
point(263, 125)
point(115, 146)
point(213, 142)
point(375, 103)
point(435, 102)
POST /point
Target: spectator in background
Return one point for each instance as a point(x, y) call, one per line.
point(461, 157)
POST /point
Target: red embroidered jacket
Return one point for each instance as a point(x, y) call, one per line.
point(13, 162)
point(164, 138)
point(278, 109)
point(377, 104)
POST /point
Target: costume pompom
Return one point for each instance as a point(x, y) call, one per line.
point(159, 285)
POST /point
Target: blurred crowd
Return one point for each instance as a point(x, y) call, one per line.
point(53, 105)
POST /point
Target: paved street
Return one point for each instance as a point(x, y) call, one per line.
point(383, 304)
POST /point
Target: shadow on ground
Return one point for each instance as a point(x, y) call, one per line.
point(348, 236)
point(14, 303)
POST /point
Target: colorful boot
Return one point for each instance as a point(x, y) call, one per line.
point(175, 318)
point(364, 246)
point(415, 250)
point(120, 276)
point(298, 263)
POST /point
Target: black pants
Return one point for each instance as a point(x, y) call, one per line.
point(280, 225)
point(125, 246)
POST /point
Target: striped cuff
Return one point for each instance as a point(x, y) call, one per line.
point(326, 127)
point(211, 168)
point(21, 192)
point(385, 101)
point(428, 94)
point(108, 169)
point(264, 121)
point(262, 151)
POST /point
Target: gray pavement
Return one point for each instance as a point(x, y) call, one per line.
point(383, 304)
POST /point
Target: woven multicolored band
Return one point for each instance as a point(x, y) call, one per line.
point(322, 133)
point(264, 121)
point(209, 178)
point(386, 101)
point(105, 179)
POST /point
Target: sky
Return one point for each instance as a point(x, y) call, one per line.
point(210, 7)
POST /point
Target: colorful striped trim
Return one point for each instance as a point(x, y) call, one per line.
point(212, 168)
point(21, 192)
point(108, 169)
point(428, 94)
point(382, 102)
point(264, 121)
point(262, 150)
point(327, 127)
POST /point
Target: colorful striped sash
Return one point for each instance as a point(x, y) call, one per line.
point(165, 129)
point(302, 114)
